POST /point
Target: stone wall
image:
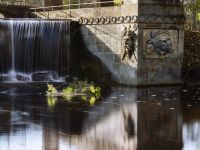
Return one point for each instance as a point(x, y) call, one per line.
point(158, 49)
point(105, 42)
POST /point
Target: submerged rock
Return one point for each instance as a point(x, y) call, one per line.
point(20, 77)
point(69, 79)
point(40, 76)
point(3, 78)
point(44, 76)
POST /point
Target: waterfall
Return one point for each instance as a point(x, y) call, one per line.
point(34, 50)
point(12, 45)
point(12, 73)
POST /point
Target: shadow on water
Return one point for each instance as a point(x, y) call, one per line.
point(126, 118)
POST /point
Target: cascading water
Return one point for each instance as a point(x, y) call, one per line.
point(12, 73)
point(34, 50)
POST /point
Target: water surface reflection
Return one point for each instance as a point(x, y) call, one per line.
point(126, 118)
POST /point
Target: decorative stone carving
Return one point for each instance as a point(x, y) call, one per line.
point(129, 42)
point(160, 43)
point(108, 20)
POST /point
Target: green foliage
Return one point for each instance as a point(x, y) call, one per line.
point(192, 6)
point(65, 2)
point(81, 86)
point(95, 90)
point(118, 2)
point(192, 11)
point(51, 90)
point(87, 91)
point(198, 16)
point(68, 91)
point(92, 89)
point(98, 92)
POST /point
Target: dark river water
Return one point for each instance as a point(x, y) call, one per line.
point(156, 118)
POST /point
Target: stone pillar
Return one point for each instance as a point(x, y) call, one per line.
point(160, 41)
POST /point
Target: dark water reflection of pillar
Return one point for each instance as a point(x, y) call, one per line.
point(159, 118)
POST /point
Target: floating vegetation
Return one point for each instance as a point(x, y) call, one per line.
point(88, 92)
point(51, 90)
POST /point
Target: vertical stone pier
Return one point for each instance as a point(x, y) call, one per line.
point(160, 41)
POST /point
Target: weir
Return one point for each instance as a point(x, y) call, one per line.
point(34, 50)
point(138, 45)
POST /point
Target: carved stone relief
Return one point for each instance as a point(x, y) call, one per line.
point(129, 42)
point(160, 43)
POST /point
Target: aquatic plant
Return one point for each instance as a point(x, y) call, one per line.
point(51, 90)
point(68, 91)
point(88, 92)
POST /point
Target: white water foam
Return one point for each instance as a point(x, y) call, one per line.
point(42, 76)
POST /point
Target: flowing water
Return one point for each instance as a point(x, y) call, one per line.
point(156, 118)
point(34, 50)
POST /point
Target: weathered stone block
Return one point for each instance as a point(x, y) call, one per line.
point(160, 43)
